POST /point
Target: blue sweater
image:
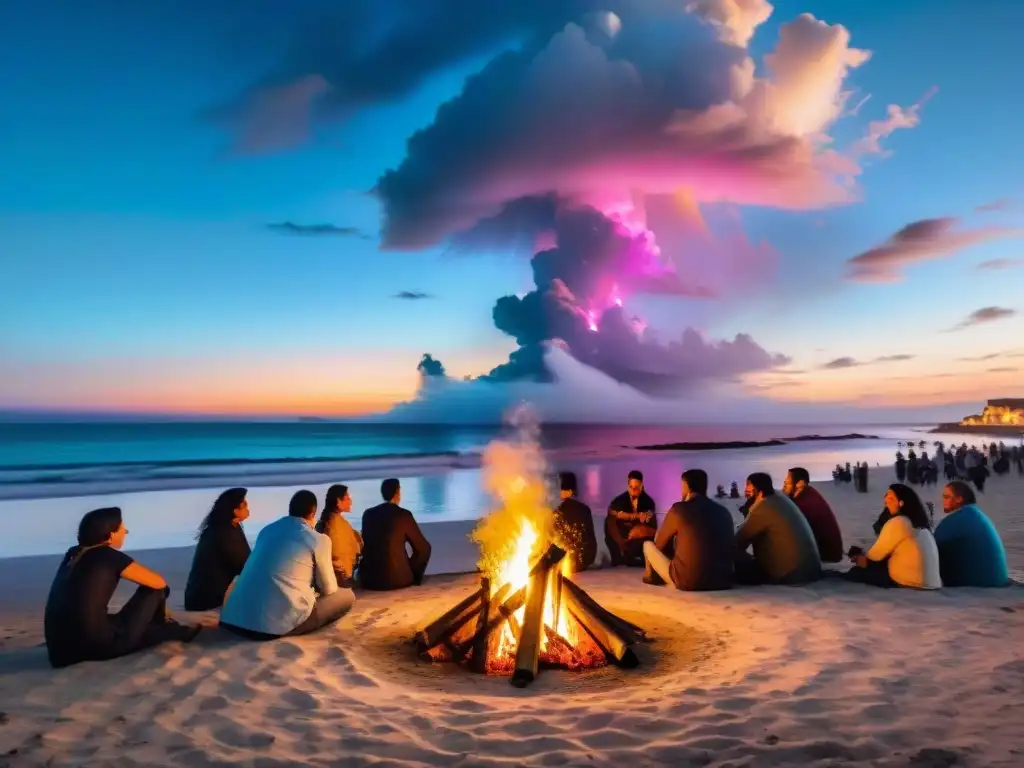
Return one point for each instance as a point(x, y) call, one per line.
point(971, 553)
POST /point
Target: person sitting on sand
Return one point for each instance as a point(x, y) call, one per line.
point(971, 554)
point(632, 520)
point(819, 514)
point(387, 529)
point(76, 624)
point(784, 548)
point(346, 543)
point(287, 586)
point(220, 553)
point(574, 524)
point(694, 547)
point(905, 554)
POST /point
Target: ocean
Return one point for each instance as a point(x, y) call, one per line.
point(165, 475)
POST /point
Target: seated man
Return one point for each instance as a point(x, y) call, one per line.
point(387, 528)
point(819, 514)
point(784, 548)
point(971, 554)
point(574, 524)
point(287, 586)
point(631, 521)
point(694, 548)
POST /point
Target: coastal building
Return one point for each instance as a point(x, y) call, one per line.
point(1007, 412)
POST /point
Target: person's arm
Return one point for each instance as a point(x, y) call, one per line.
point(234, 548)
point(337, 556)
point(893, 532)
point(753, 525)
point(667, 532)
point(323, 568)
point(420, 548)
point(141, 575)
point(650, 516)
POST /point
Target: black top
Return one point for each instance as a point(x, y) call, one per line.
point(698, 535)
point(644, 504)
point(574, 525)
point(76, 617)
point(386, 564)
point(219, 557)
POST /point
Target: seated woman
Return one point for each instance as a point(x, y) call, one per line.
point(220, 553)
point(971, 554)
point(287, 586)
point(346, 543)
point(905, 553)
point(77, 626)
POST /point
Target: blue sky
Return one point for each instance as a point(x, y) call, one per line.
point(139, 272)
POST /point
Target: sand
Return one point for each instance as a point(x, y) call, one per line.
point(831, 674)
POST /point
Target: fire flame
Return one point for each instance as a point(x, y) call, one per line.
point(519, 530)
point(996, 415)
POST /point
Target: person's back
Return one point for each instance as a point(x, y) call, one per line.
point(220, 556)
point(971, 553)
point(782, 539)
point(823, 524)
point(574, 523)
point(345, 545)
point(275, 591)
point(386, 563)
point(702, 555)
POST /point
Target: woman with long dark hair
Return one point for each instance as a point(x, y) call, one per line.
point(221, 552)
point(346, 543)
point(905, 553)
point(77, 625)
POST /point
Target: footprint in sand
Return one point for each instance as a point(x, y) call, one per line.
point(213, 703)
point(300, 700)
point(234, 736)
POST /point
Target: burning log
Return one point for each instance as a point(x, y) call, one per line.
point(532, 633)
point(615, 647)
point(631, 633)
point(450, 622)
point(479, 661)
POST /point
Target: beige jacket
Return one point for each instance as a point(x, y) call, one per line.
point(346, 544)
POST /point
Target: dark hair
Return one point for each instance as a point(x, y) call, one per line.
point(912, 507)
point(97, 526)
point(762, 483)
point(303, 504)
point(798, 474)
point(567, 482)
point(222, 513)
point(963, 491)
point(635, 474)
point(389, 488)
point(334, 494)
point(697, 481)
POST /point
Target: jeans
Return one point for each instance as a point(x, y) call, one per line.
point(327, 610)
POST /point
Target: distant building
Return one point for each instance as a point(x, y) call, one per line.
point(1007, 412)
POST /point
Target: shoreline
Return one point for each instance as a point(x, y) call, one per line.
point(736, 444)
point(992, 430)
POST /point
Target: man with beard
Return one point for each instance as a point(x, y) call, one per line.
point(784, 548)
point(631, 521)
point(819, 514)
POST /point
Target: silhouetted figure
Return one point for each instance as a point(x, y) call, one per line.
point(901, 467)
point(220, 553)
point(387, 529)
point(734, 491)
point(574, 524)
point(720, 492)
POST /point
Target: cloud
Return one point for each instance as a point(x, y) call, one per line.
point(429, 366)
point(984, 316)
point(841, 363)
point(413, 295)
point(994, 264)
point(897, 118)
point(1002, 369)
point(980, 358)
point(671, 101)
point(922, 240)
point(583, 287)
point(316, 230)
point(996, 205)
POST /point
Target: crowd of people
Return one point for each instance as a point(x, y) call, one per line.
point(299, 574)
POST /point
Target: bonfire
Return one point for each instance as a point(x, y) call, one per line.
point(528, 613)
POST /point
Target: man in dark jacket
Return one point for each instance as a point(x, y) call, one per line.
point(631, 521)
point(387, 528)
point(574, 524)
point(694, 548)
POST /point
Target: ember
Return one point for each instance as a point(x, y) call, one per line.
point(527, 613)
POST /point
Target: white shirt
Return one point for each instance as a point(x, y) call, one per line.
point(275, 591)
point(912, 552)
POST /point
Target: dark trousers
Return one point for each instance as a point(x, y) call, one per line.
point(141, 623)
point(622, 549)
point(746, 571)
point(875, 573)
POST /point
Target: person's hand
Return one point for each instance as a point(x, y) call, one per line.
point(861, 560)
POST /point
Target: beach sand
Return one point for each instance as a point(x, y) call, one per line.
point(831, 674)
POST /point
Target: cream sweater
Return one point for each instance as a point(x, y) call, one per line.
point(912, 552)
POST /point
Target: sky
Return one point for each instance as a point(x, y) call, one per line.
point(222, 207)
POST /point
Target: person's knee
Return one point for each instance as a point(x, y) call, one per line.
point(649, 548)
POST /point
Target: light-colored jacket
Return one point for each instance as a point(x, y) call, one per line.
point(289, 565)
point(912, 552)
point(346, 544)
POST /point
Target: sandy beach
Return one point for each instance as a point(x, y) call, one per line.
point(832, 674)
